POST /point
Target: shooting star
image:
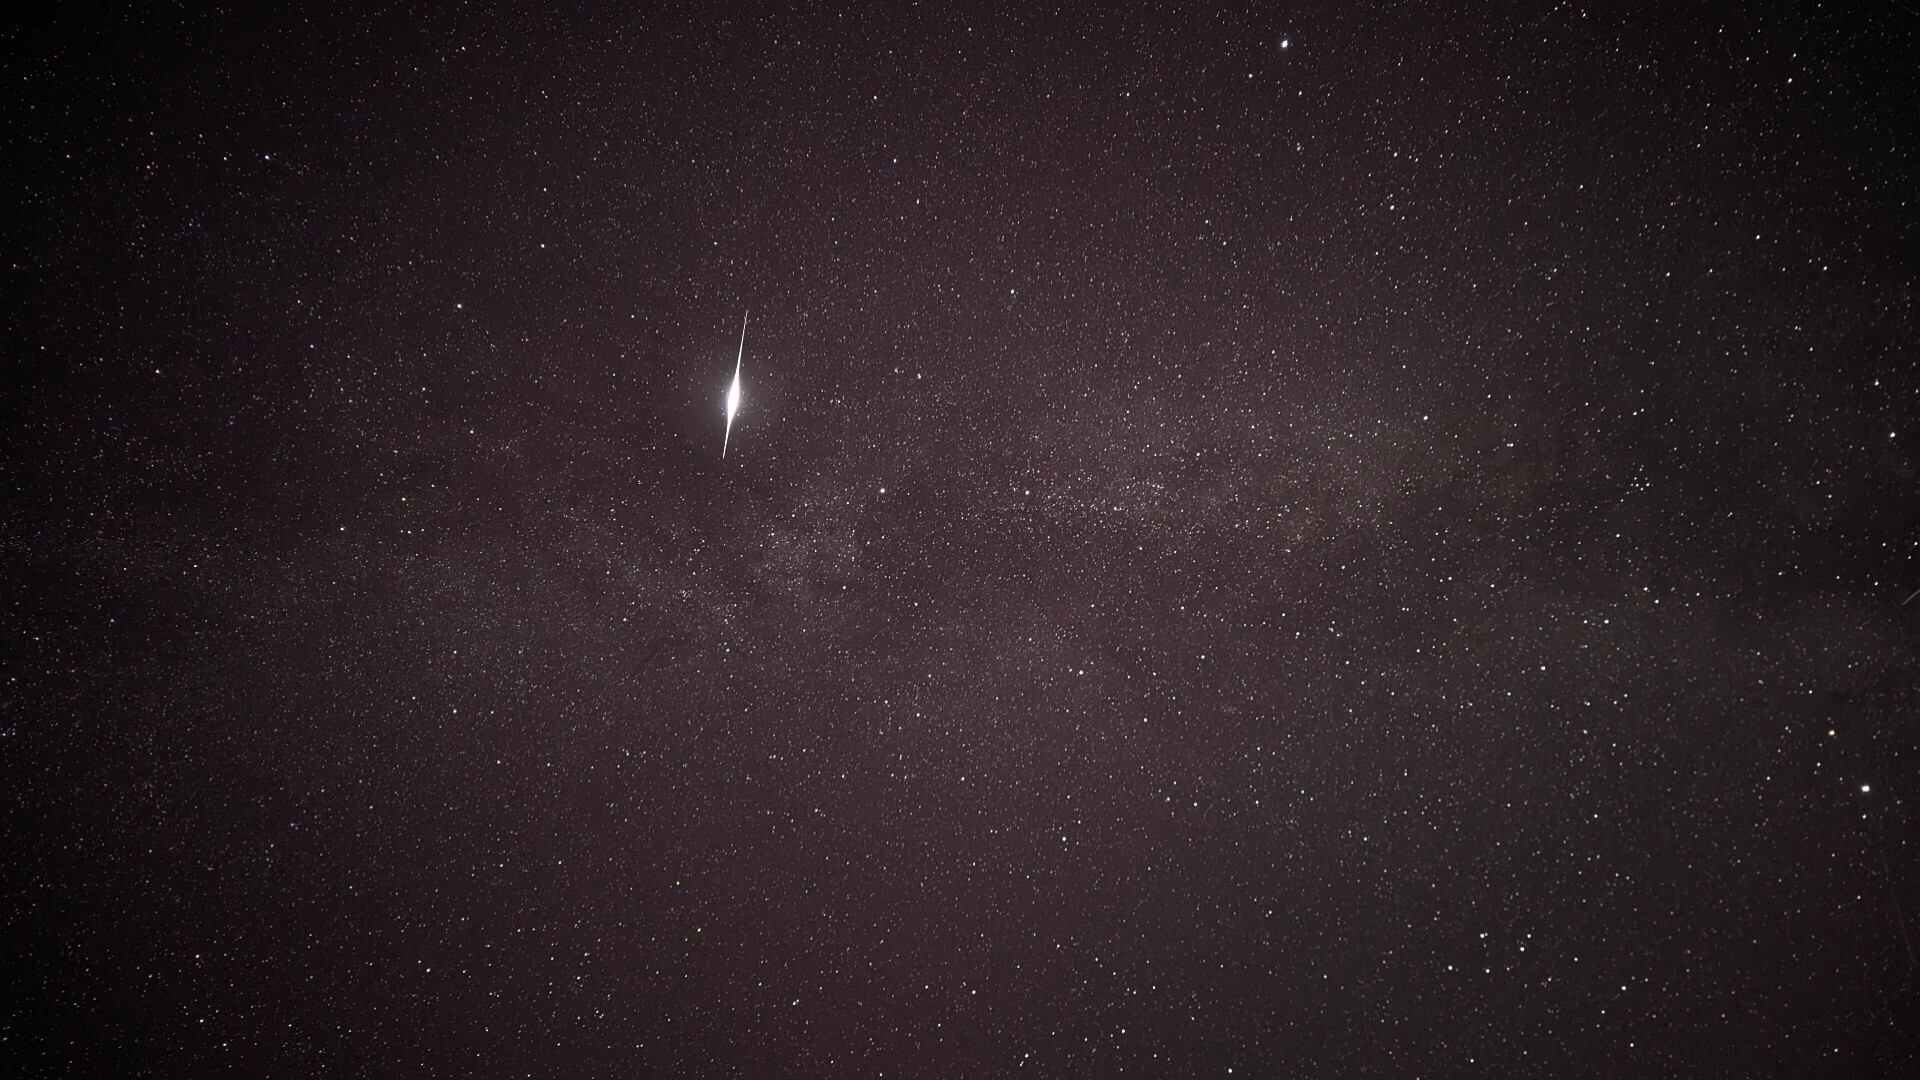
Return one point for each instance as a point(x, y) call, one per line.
point(733, 392)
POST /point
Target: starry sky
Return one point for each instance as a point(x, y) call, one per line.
point(1322, 539)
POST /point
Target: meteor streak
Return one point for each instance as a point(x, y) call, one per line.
point(733, 392)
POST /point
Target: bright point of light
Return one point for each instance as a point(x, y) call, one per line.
point(1286, 43)
point(733, 406)
point(733, 391)
point(1865, 788)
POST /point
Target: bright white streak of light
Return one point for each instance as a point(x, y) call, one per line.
point(733, 392)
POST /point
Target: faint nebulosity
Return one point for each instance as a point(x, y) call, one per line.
point(1327, 540)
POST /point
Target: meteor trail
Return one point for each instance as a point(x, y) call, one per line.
point(733, 392)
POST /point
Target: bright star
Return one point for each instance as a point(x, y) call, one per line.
point(733, 392)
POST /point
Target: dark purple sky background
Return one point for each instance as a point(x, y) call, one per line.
point(1332, 540)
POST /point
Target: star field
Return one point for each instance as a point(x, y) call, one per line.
point(1262, 541)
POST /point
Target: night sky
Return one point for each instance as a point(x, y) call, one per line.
point(1331, 540)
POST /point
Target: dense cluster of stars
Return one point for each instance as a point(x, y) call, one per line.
point(1340, 542)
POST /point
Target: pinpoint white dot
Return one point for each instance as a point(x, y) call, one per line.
point(1865, 788)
